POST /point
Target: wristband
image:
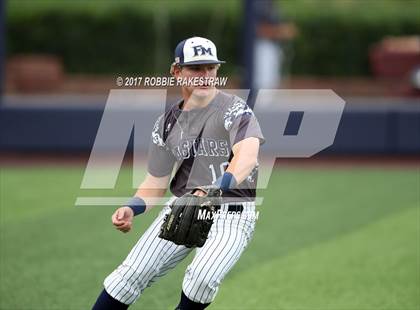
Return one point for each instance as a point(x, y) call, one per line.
point(226, 181)
point(137, 205)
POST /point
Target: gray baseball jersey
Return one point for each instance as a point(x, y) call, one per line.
point(198, 144)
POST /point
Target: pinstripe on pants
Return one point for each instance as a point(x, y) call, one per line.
point(152, 257)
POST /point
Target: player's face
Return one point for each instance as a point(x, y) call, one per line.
point(205, 71)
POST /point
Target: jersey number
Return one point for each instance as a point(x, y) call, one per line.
point(222, 168)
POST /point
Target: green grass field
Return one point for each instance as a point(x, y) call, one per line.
point(342, 239)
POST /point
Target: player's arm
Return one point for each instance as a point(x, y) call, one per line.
point(147, 196)
point(159, 167)
point(245, 158)
point(246, 137)
point(152, 189)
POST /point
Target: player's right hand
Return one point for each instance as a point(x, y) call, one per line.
point(122, 219)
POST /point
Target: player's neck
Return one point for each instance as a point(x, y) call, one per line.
point(195, 102)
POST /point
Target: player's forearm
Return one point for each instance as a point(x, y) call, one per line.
point(151, 196)
point(245, 158)
point(241, 166)
point(150, 192)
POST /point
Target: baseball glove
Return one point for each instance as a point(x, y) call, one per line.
point(187, 223)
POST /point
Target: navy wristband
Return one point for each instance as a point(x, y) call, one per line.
point(226, 181)
point(137, 205)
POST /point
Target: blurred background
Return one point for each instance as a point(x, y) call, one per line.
point(64, 54)
point(340, 230)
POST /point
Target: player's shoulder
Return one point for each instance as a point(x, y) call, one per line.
point(162, 126)
point(157, 132)
point(226, 100)
point(232, 107)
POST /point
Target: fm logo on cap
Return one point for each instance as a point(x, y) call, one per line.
point(202, 49)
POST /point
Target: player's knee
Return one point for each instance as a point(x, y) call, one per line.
point(126, 283)
point(203, 290)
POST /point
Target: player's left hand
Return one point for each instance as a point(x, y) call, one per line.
point(183, 225)
point(123, 219)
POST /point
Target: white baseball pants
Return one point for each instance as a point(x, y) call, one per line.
point(152, 257)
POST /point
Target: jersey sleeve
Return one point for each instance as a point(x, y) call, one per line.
point(160, 159)
point(240, 121)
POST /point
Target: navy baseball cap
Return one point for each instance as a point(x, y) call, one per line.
point(196, 51)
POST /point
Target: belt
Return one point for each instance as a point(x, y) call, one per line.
point(231, 208)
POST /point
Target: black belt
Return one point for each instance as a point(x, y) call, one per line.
point(231, 208)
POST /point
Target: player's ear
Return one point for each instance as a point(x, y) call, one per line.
point(172, 69)
point(175, 69)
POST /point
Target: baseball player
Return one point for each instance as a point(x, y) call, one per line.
point(208, 138)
